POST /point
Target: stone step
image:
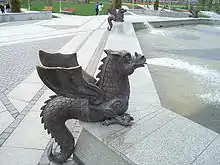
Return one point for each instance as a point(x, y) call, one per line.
point(89, 48)
point(97, 56)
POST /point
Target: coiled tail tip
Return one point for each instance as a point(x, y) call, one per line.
point(59, 157)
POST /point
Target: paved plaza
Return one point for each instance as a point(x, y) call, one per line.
point(22, 138)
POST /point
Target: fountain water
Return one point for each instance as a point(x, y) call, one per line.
point(212, 15)
point(155, 31)
point(207, 78)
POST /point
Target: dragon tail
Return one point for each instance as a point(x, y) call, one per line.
point(110, 19)
point(54, 116)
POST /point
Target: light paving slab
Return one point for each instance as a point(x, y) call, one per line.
point(5, 120)
point(25, 91)
point(68, 20)
point(19, 156)
point(147, 99)
point(43, 98)
point(72, 45)
point(33, 78)
point(140, 111)
point(44, 33)
point(93, 24)
point(19, 105)
point(141, 129)
point(211, 156)
point(89, 47)
point(68, 162)
point(2, 107)
point(146, 85)
point(29, 133)
point(105, 25)
point(12, 31)
point(139, 117)
point(105, 134)
point(92, 151)
point(37, 37)
point(178, 142)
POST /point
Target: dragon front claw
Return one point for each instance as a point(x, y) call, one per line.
point(124, 120)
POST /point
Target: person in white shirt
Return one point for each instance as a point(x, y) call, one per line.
point(100, 8)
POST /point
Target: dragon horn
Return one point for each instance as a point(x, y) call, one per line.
point(108, 51)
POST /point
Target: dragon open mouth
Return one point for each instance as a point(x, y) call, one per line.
point(140, 62)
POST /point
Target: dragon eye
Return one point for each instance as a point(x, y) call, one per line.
point(128, 58)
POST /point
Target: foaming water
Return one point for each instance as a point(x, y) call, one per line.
point(218, 28)
point(210, 98)
point(208, 79)
point(148, 26)
point(160, 32)
point(212, 15)
point(183, 65)
point(152, 30)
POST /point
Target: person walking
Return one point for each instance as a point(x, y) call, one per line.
point(2, 7)
point(97, 8)
point(8, 7)
point(100, 8)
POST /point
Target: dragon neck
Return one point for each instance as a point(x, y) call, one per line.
point(110, 81)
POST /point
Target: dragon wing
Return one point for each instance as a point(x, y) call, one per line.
point(63, 60)
point(65, 77)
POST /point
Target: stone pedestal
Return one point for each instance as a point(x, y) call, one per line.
point(90, 150)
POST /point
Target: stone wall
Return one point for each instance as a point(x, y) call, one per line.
point(159, 13)
point(180, 22)
point(43, 15)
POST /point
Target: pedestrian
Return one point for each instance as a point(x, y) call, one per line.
point(97, 8)
point(100, 8)
point(8, 7)
point(2, 8)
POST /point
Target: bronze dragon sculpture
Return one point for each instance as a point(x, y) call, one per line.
point(114, 15)
point(80, 96)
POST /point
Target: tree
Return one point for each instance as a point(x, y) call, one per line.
point(50, 2)
point(15, 6)
point(202, 4)
point(156, 5)
point(116, 4)
point(210, 4)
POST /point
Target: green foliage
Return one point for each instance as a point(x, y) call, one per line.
point(50, 2)
point(15, 6)
point(156, 5)
point(116, 4)
point(81, 8)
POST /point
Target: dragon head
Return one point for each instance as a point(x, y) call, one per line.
point(125, 62)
